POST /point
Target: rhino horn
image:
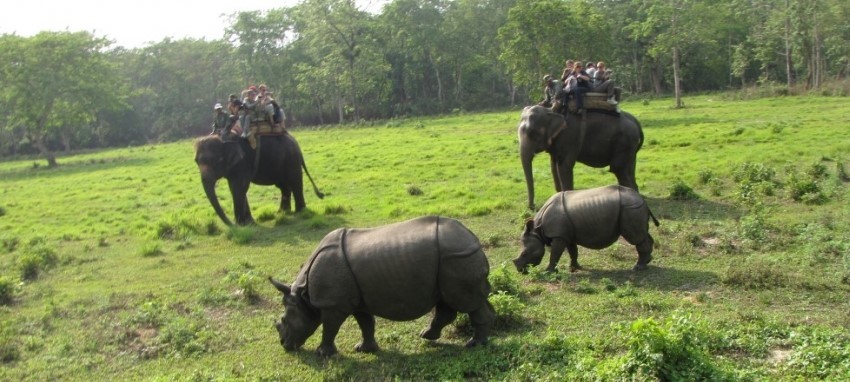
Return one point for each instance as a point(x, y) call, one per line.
point(285, 289)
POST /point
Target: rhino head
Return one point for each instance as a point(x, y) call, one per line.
point(298, 322)
point(533, 248)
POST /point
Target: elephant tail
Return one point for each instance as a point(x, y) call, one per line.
point(315, 189)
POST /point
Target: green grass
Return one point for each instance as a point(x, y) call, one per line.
point(115, 267)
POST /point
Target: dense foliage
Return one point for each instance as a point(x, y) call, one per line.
point(329, 61)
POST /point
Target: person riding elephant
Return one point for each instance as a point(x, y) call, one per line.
point(551, 91)
point(278, 162)
point(595, 139)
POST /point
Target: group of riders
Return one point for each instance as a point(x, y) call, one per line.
point(575, 82)
point(256, 111)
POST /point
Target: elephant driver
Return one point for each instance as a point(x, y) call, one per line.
point(221, 120)
point(551, 92)
point(256, 114)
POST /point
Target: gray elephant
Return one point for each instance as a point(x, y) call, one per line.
point(399, 272)
point(592, 218)
point(280, 162)
point(602, 139)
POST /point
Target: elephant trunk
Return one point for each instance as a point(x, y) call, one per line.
point(209, 189)
point(526, 154)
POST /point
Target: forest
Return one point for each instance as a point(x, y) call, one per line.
point(331, 62)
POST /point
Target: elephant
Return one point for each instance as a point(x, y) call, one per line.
point(399, 272)
point(280, 162)
point(602, 139)
point(592, 218)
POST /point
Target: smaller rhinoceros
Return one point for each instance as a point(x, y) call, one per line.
point(399, 272)
point(592, 218)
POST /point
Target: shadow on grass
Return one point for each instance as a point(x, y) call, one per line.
point(40, 170)
point(668, 209)
point(674, 120)
point(658, 278)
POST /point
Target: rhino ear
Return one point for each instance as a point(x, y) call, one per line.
point(529, 226)
point(283, 288)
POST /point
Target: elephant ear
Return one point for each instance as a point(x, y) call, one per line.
point(557, 124)
point(233, 154)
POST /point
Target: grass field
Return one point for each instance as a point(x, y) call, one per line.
point(115, 267)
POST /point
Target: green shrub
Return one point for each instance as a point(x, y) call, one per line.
point(820, 355)
point(805, 189)
point(681, 191)
point(509, 309)
point(152, 313)
point(246, 281)
point(504, 280)
point(705, 176)
point(753, 173)
point(672, 350)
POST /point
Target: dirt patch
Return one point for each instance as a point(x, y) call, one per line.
point(779, 355)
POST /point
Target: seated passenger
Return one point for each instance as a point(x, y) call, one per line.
point(603, 83)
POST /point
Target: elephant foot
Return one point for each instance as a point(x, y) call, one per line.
point(551, 270)
point(430, 334)
point(326, 351)
point(473, 342)
point(575, 268)
point(367, 347)
point(640, 267)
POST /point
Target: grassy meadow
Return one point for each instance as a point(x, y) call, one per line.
point(113, 266)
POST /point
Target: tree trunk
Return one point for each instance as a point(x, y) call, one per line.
point(677, 88)
point(38, 143)
point(789, 62)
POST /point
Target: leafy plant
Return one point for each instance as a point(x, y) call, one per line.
point(681, 191)
point(36, 258)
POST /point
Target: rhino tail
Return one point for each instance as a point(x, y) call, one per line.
point(654, 220)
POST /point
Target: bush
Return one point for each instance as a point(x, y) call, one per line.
point(672, 350)
point(246, 281)
point(805, 188)
point(504, 280)
point(509, 309)
point(681, 191)
point(36, 258)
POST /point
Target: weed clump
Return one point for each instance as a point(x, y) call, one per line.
point(8, 289)
point(240, 235)
point(671, 350)
point(37, 257)
point(503, 280)
point(150, 249)
point(2, 211)
point(247, 283)
point(414, 191)
point(755, 275)
point(681, 191)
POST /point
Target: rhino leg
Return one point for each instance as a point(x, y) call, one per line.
point(482, 321)
point(572, 248)
point(366, 322)
point(644, 253)
point(331, 322)
point(557, 250)
point(443, 315)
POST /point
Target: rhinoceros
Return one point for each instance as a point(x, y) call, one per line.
point(592, 218)
point(399, 272)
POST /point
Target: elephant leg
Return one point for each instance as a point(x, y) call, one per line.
point(285, 198)
point(564, 169)
point(573, 249)
point(239, 192)
point(443, 315)
point(331, 322)
point(366, 322)
point(556, 176)
point(482, 321)
point(558, 246)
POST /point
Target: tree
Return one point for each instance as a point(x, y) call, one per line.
point(55, 83)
